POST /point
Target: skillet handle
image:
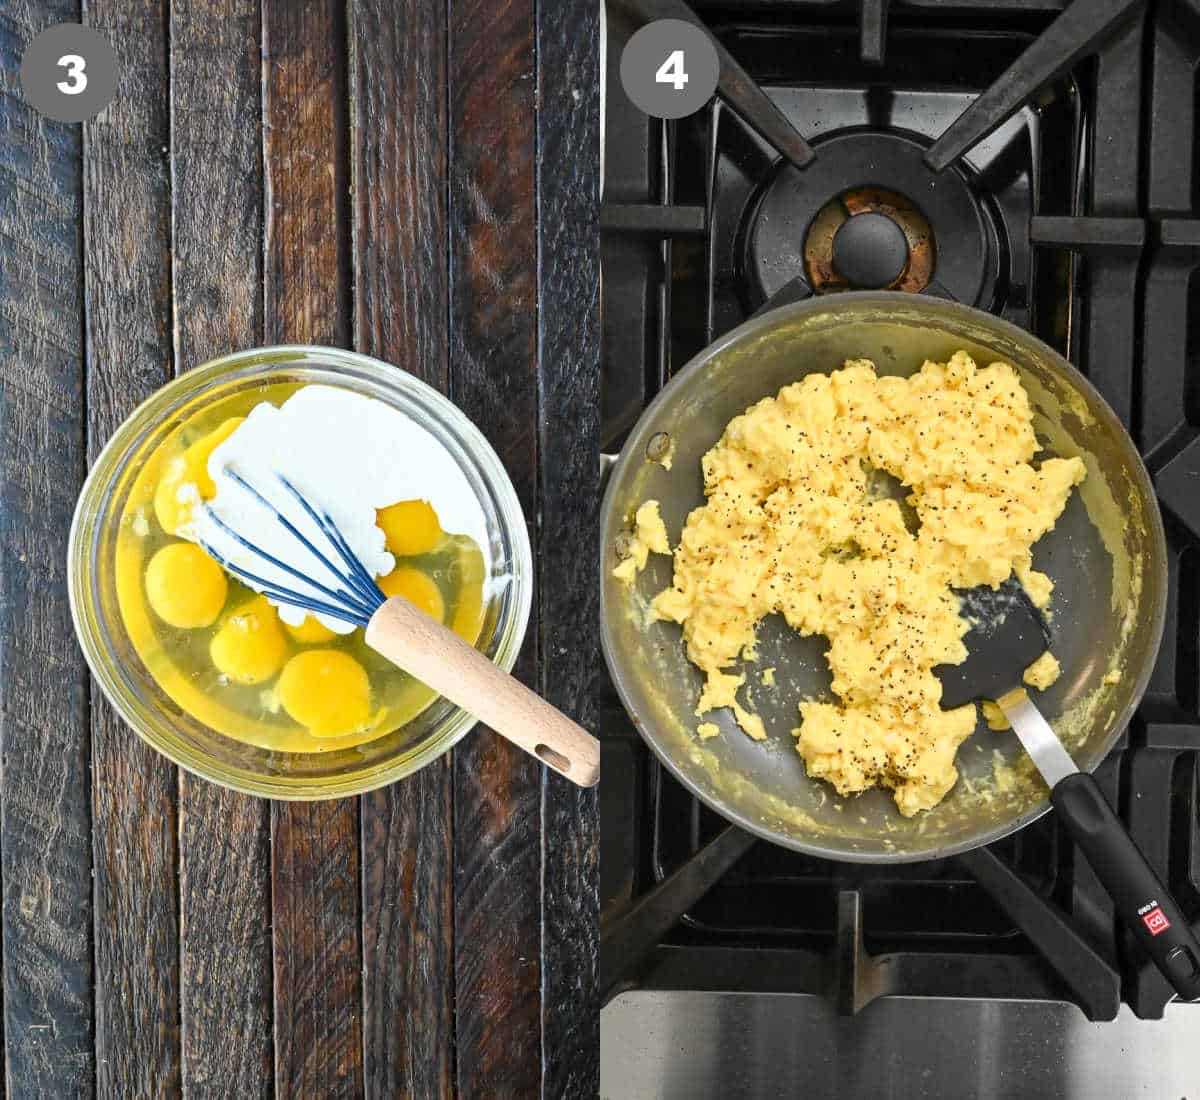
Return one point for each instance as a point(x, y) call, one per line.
point(1142, 901)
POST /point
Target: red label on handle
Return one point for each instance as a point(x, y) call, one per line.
point(1156, 921)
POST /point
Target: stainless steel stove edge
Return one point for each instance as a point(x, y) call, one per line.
point(691, 1046)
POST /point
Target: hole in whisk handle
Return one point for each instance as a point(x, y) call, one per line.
point(553, 758)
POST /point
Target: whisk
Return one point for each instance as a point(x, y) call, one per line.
point(344, 589)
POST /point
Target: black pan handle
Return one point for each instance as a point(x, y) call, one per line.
point(1142, 901)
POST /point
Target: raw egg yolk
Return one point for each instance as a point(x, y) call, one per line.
point(326, 691)
point(250, 646)
point(410, 527)
point(185, 586)
point(186, 479)
point(416, 587)
point(310, 632)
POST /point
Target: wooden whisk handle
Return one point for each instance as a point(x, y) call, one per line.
point(441, 660)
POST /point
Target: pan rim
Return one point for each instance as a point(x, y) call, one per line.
point(934, 308)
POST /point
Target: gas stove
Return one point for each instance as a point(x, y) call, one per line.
point(1033, 160)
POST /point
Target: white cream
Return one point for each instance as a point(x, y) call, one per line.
point(348, 455)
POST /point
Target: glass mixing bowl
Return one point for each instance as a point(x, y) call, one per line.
point(118, 669)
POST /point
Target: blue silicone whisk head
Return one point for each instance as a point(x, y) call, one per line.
point(350, 593)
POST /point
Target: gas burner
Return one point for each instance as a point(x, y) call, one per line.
point(869, 238)
point(868, 213)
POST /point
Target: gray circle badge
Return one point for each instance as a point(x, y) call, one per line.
point(670, 68)
point(69, 72)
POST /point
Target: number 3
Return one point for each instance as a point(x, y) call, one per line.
point(76, 76)
point(671, 71)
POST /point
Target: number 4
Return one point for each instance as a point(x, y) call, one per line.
point(671, 71)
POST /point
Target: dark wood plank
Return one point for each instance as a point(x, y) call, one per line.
point(398, 97)
point(216, 89)
point(493, 299)
point(305, 166)
point(226, 985)
point(225, 949)
point(127, 240)
point(408, 950)
point(318, 1046)
point(45, 818)
point(315, 874)
point(569, 369)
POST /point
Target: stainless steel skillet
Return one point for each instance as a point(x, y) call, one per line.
point(1106, 556)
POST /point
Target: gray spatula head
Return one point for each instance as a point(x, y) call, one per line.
point(1007, 635)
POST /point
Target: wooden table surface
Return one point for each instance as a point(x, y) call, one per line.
point(418, 181)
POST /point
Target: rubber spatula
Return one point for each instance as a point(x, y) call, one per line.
point(1007, 634)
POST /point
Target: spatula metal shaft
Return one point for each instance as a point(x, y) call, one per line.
point(1040, 741)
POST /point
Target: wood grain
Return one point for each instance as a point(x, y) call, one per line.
point(306, 288)
point(45, 818)
point(399, 138)
point(315, 876)
point(217, 201)
point(569, 441)
point(318, 1049)
point(127, 250)
point(398, 98)
point(225, 949)
point(493, 358)
point(225, 976)
point(408, 962)
point(228, 166)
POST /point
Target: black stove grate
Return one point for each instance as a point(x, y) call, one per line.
point(1090, 213)
point(758, 208)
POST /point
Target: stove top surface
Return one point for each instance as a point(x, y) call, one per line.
point(1076, 217)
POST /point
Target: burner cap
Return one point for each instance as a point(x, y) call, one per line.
point(870, 251)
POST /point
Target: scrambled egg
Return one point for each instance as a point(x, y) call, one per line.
point(1043, 672)
point(994, 716)
point(649, 534)
point(793, 525)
